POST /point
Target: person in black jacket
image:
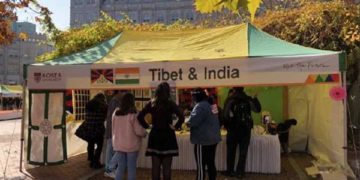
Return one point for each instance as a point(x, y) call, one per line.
point(238, 123)
point(92, 130)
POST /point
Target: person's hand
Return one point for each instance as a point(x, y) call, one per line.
point(187, 124)
point(172, 127)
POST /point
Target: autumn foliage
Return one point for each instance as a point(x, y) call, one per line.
point(331, 25)
point(8, 16)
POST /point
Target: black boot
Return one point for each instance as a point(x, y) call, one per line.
point(96, 165)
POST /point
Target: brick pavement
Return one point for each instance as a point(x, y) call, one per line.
point(10, 150)
point(78, 167)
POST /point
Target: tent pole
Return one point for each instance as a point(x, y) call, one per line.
point(343, 74)
point(22, 125)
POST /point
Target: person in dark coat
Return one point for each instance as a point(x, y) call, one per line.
point(93, 128)
point(238, 123)
point(204, 134)
point(162, 144)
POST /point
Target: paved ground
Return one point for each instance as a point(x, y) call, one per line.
point(77, 167)
point(292, 166)
point(10, 149)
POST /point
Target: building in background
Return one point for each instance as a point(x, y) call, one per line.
point(150, 11)
point(12, 57)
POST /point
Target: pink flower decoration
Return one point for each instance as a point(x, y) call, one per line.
point(337, 93)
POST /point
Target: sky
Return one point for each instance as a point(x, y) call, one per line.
point(60, 16)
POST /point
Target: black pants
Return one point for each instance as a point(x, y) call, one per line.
point(242, 138)
point(94, 154)
point(205, 156)
point(165, 163)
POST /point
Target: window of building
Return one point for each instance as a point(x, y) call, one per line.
point(133, 16)
point(174, 16)
point(160, 16)
point(78, 2)
point(12, 70)
point(190, 16)
point(146, 17)
point(118, 16)
point(80, 98)
point(90, 1)
point(160, 19)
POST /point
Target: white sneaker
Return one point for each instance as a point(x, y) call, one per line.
point(109, 174)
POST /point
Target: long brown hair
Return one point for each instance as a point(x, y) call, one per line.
point(127, 105)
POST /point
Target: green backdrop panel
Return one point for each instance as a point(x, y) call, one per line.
point(271, 99)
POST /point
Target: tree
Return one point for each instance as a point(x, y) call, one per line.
point(209, 6)
point(8, 16)
point(88, 35)
point(330, 25)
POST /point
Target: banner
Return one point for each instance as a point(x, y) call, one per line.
point(183, 74)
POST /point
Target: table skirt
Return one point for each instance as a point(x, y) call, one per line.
point(263, 154)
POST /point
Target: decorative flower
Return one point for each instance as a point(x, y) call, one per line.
point(45, 127)
point(337, 93)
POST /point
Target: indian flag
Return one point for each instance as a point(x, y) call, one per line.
point(127, 76)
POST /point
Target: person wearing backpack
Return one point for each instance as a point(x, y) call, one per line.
point(238, 123)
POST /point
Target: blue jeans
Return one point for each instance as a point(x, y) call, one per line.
point(110, 163)
point(126, 159)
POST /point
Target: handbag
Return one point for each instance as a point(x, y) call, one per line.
point(81, 132)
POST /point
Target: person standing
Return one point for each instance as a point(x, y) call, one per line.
point(204, 134)
point(126, 137)
point(113, 104)
point(162, 144)
point(238, 123)
point(92, 130)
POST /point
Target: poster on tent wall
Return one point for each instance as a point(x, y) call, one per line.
point(183, 74)
point(46, 131)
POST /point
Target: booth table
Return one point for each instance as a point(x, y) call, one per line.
point(263, 154)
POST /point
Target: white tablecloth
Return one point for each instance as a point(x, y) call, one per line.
point(263, 154)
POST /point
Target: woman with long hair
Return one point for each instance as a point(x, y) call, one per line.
point(126, 137)
point(162, 145)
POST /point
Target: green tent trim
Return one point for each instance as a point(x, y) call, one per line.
point(87, 56)
point(263, 44)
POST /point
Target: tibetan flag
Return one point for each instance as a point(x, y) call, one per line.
point(127, 76)
point(101, 76)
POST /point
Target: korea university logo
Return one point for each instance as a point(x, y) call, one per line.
point(37, 77)
point(47, 77)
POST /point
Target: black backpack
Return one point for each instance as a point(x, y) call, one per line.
point(241, 109)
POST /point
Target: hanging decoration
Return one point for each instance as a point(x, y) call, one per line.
point(337, 93)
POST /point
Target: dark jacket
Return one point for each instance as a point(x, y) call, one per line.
point(162, 116)
point(204, 125)
point(93, 127)
point(114, 103)
point(255, 106)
